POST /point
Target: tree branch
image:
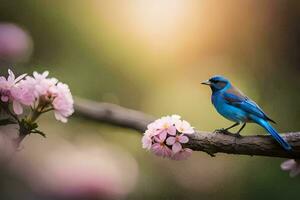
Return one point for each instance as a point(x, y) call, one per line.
point(113, 114)
point(211, 143)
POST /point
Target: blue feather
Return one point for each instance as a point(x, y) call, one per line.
point(273, 132)
point(235, 106)
point(240, 100)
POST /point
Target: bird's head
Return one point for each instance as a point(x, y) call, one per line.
point(217, 83)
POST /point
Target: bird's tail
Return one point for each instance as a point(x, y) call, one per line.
point(274, 133)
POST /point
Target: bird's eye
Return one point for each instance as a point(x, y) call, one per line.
point(213, 81)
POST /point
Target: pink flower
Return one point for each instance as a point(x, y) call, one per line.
point(176, 142)
point(21, 96)
point(39, 84)
point(11, 91)
point(153, 128)
point(166, 125)
point(182, 154)
point(163, 139)
point(291, 165)
point(6, 85)
point(50, 91)
point(18, 98)
point(184, 127)
point(63, 102)
point(160, 149)
point(175, 118)
point(147, 140)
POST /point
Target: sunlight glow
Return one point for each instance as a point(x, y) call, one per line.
point(158, 21)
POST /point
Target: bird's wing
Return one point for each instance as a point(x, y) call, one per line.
point(236, 98)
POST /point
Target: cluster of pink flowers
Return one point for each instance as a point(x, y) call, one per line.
point(165, 136)
point(39, 92)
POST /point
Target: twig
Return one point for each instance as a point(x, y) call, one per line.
point(113, 114)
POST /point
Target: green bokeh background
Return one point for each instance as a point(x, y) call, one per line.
point(152, 56)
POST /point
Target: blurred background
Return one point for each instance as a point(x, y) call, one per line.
point(150, 55)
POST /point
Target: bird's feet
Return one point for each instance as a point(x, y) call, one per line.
point(226, 132)
point(222, 130)
point(238, 135)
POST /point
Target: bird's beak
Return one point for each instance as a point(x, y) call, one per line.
point(206, 82)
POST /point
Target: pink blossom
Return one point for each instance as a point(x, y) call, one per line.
point(17, 107)
point(291, 165)
point(182, 154)
point(153, 128)
point(176, 142)
point(166, 125)
point(21, 96)
point(163, 139)
point(160, 149)
point(51, 91)
point(39, 84)
point(184, 127)
point(11, 91)
point(9, 84)
point(147, 140)
point(40, 92)
point(175, 118)
point(63, 102)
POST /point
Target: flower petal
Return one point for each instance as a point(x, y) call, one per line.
point(172, 130)
point(147, 142)
point(20, 78)
point(45, 74)
point(167, 152)
point(156, 149)
point(170, 140)
point(183, 139)
point(189, 131)
point(162, 136)
point(17, 107)
point(11, 76)
point(176, 147)
point(59, 117)
point(288, 165)
point(176, 117)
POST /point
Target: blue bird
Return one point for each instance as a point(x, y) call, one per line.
point(232, 104)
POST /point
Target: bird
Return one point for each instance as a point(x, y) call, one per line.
point(232, 104)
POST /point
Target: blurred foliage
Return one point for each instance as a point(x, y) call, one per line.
point(151, 55)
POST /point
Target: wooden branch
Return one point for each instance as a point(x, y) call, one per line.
point(211, 143)
point(113, 114)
